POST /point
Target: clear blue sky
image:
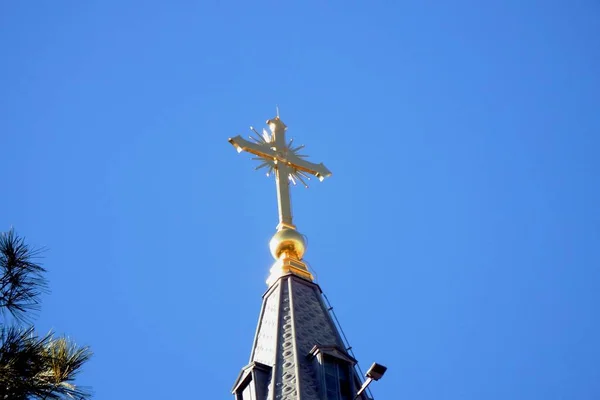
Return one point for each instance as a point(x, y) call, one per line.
point(458, 238)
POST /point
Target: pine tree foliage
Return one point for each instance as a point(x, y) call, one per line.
point(31, 366)
point(21, 279)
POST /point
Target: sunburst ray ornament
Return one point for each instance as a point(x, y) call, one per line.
point(284, 160)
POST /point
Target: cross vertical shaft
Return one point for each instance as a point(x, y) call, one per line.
point(282, 174)
point(284, 201)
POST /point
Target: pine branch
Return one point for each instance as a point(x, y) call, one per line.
point(40, 368)
point(21, 279)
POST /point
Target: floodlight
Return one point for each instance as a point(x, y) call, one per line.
point(373, 374)
point(376, 371)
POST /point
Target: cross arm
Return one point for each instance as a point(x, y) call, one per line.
point(242, 144)
point(318, 170)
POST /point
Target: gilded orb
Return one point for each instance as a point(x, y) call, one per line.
point(289, 240)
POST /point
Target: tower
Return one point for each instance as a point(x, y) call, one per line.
point(298, 352)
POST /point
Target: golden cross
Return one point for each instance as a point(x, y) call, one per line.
point(283, 159)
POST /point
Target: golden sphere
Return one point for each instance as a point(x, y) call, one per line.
point(287, 240)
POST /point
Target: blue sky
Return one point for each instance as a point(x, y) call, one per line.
point(458, 238)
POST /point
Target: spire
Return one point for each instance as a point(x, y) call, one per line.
point(297, 353)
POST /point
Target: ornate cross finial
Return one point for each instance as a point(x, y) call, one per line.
point(284, 160)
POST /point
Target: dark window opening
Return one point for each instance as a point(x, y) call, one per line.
point(337, 379)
